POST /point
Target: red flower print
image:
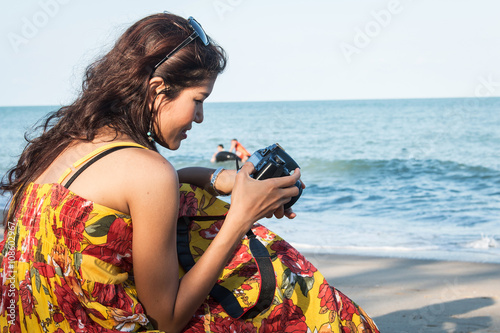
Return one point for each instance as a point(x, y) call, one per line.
point(292, 259)
point(107, 255)
point(246, 287)
point(7, 298)
point(349, 327)
point(241, 255)
point(120, 240)
point(264, 233)
point(72, 309)
point(215, 307)
point(28, 248)
point(248, 270)
point(112, 295)
point(60, 257)
point(347, 307)
point(118, 249)
point(280, 247)
point(19, 212)
point(285, 317)
point(57, 195)
point(31, 218)
point(326, 296)
point(188, 204)
point(211, 232)
point(58, 317)
point(14, 329)
point(44, 269)
point(74, 214)
point(229, 325)
point(26, 293)
point(57, 231)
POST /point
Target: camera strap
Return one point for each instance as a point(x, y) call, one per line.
point(224, 296)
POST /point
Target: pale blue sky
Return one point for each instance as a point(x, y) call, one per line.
point(278, 50)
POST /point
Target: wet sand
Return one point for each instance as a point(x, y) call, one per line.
point(405, 295)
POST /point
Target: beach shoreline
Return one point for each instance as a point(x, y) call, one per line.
point(415, 295)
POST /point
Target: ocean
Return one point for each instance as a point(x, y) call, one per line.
point(415, 178)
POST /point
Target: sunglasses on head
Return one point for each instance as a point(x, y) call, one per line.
point(197, 32)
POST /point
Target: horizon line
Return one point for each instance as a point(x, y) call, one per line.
point(298, 100)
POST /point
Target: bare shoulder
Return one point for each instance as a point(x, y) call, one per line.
point(151, 194)
point(146, 182)
point(145, 159)
point(144, 167)
point(127, 176)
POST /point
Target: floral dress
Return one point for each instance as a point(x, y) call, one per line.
point(303, 299)
point(66, 266)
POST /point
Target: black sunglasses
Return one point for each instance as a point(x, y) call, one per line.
point(197, 32)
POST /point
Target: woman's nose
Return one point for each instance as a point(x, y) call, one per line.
point(198, 117)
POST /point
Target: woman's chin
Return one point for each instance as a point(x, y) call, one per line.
point(174, 145)
point(170, 146)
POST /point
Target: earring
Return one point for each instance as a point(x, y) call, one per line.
point(150, 133)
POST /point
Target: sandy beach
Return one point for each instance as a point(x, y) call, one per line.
point(404, 295)
point(413, 296)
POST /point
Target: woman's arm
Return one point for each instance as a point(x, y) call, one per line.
point(154, 204)
point(201, 177)
point(153, 200)
point(224, 184)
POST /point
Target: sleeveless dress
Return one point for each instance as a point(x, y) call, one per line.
point(66, 266)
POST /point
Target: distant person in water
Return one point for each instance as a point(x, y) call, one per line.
point(219, 149)
point(239, 150)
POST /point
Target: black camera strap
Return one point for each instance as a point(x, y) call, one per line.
point(223, 295)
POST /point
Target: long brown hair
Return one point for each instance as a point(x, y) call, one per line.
point(114, 94)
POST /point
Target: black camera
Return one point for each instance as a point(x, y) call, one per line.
point(272, 162)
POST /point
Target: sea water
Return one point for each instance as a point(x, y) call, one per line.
point(402, 178)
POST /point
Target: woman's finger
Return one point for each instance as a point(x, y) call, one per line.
point(247, 168)
point(290, 192)
point(289, 213)
point(279, 213)
point(285, 181)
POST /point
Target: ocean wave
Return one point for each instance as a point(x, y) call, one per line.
point(400, 167)
point(486, 242)
point(489, 255)
point(372, 249)
point(430, 191)
point(417, 179)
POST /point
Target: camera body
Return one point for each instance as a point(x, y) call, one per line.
point(272, 162)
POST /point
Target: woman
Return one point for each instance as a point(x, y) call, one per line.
point(73, 261)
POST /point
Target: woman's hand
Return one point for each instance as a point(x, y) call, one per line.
point(254, 199)
point(281, 212)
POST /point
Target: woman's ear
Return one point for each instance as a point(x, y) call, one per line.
point(156, 85)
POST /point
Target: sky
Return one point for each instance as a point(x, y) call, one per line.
point(278, 50)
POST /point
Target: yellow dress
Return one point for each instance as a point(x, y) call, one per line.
point(66, 266)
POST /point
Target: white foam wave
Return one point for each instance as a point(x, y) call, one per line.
point(485, 242)
point(374, 249)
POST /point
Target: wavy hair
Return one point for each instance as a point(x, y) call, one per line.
point(114, 94)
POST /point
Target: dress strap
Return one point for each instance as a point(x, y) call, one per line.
point(92, 157)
